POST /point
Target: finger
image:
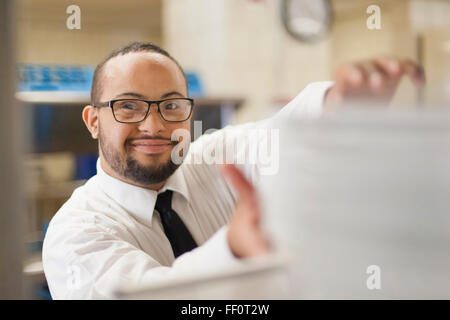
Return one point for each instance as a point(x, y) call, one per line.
point(349, 76)
point(242, 186)
point(362, 75)
point(247, 198)
point(351, 84)
point(415, 72)
point(390, 65)
point(377, 77)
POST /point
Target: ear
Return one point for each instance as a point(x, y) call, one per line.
point(90, 118)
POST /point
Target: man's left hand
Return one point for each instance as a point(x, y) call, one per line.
point(371, 82)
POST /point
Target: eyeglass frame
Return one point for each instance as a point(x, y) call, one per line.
point(110, 104)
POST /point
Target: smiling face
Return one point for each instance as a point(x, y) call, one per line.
point(138, 153)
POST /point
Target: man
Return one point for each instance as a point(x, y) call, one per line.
point(144, 217)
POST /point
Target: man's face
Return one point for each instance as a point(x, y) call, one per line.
point(140, 152)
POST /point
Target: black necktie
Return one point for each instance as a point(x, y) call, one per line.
point(179, 237)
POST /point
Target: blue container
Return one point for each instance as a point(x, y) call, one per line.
point(195, 86)
point(86, 166)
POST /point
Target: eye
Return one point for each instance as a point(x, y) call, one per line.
point(171, 106)
point(127, 105)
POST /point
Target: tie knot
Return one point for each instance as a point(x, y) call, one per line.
point(164, 201)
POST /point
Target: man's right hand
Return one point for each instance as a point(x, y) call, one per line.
point(245, 236)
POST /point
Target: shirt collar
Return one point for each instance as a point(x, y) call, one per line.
point(139, 201)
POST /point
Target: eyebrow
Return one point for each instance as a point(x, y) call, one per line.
point(141, 96)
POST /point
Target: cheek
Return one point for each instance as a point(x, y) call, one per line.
point(116, 134)
point(118, 138)
point(176, 126)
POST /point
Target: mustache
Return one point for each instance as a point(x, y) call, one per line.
point(147, 137)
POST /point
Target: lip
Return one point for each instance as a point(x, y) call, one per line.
point(151, 146)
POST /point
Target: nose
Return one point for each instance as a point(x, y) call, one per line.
point(153, 123)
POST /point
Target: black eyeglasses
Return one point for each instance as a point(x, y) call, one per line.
point(136, 110)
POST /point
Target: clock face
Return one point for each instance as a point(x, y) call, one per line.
point(306, 20)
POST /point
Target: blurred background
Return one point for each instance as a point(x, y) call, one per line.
point(244, 59)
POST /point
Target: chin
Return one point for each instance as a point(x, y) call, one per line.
point(155, 159)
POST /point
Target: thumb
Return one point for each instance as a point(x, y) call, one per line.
point(245, 190)
point(243, 187)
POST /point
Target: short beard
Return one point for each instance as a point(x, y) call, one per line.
point(132, 170)
point(148, 175)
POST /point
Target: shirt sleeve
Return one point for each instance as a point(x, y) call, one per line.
point(307, 104)
point(253, 146)
point(87, 259)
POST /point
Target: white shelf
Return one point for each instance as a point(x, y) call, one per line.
point(34, 268)
point(83, 97)
point(55, 97)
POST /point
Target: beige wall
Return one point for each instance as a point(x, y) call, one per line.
point(238, 47)
point(353, 41)
point(241, 50)
point(105, 25)
point(431, 21)
point(437, 60)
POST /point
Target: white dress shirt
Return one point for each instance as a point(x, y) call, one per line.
point(108, 233)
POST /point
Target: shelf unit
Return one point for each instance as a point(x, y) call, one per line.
point(82, 97)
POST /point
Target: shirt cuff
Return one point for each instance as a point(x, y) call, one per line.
point(315, 101)
point(219, 242)
point(307, 104)
point(213, 255)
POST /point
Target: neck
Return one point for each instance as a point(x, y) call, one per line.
point(109, 171)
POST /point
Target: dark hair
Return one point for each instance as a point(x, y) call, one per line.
point(132, 47)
